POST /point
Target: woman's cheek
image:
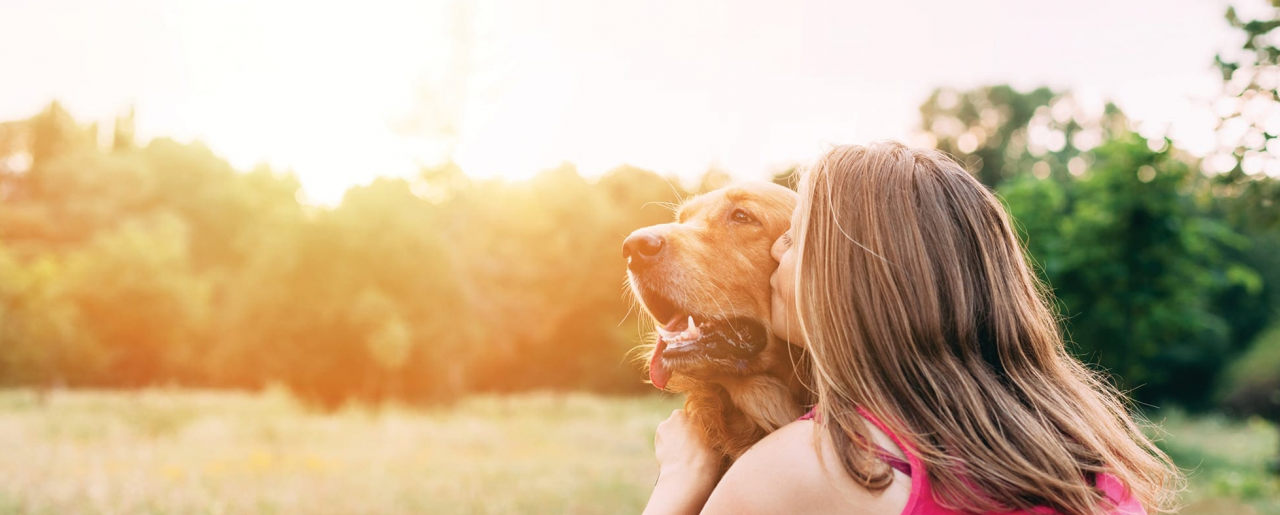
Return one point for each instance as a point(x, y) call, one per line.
point(783, 308)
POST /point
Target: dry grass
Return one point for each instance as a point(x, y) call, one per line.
point(89, 453)
point(215, 453)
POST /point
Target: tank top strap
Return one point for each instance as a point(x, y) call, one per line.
point(906, 449)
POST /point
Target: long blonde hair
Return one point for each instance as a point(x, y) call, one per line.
point(918, 305)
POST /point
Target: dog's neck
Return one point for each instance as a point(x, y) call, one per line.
point(765, 400)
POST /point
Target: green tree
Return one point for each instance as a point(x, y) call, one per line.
point(1001, 133)
point(1247, 162)
point(41, 340)
point(1136, 262)
point(138, 299)
point(1247, 191)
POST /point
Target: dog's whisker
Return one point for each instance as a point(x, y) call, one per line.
point(674, 191)
point(729, 299)
point(669, 206)
point(703, 282)
point(628, 294)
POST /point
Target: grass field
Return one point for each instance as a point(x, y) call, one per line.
point(164, 452)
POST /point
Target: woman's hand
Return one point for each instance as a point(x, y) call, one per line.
point(687, 468)
point(681, 451)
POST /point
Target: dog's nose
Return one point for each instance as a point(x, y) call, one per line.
point(642, 249)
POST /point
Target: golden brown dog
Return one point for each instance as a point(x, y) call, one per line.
point(705, 281)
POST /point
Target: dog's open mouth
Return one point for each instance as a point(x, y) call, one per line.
point(686, 337)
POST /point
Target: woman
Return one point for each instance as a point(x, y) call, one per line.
point(942, 379)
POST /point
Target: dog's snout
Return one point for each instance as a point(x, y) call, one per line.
point(642, 249)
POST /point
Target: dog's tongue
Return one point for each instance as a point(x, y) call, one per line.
point(658, 373)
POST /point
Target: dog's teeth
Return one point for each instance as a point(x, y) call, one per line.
point(674, 340)
point(694, 332)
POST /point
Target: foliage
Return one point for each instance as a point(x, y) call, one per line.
point(1135, 263)
point(1253, 386)
point(130, 266)
point(38, 328)
point(1250, 106)
point(1247, 189)
point(1001, 133)
point(1154, 280)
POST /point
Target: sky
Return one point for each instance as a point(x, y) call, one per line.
point(338, 92)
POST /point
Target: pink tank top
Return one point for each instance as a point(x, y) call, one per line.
point(921, 501)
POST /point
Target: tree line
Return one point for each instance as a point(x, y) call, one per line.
point(127, 265)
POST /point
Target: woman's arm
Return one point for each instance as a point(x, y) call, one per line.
point(679, 494)
point(687, 469)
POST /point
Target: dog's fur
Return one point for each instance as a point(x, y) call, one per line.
point(740, 381)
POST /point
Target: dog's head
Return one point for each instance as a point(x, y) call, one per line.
point(705, 280)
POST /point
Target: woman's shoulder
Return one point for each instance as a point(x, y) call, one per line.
point(796, 470)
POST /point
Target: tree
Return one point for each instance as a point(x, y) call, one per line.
point(1136, 262)
point(1249, 107)
point(41, 339)
point(1248, 193)
point(137, 298)
point(1247, 162)
point(1000, 133)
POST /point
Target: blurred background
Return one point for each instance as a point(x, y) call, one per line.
point(264, 257)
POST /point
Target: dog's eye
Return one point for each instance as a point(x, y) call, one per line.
point(741, 216)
